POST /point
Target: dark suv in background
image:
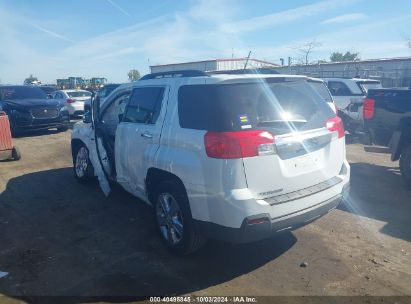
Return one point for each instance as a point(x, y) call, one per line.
point(29, 108)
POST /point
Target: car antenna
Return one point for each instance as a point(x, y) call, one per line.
point(246, 62)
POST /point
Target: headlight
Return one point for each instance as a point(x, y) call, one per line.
point(14, 112)
point(62, 109)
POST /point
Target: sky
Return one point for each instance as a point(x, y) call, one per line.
point(106, 38)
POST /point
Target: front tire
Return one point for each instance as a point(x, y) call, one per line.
point(174, 221)
point(405, 164)
point(83, 169)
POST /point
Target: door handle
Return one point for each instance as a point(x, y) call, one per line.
point(146, 135)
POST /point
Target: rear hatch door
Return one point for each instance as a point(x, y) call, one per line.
point(306, 153)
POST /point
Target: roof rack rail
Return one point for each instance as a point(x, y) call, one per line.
point(171, 74)
point(247, 71)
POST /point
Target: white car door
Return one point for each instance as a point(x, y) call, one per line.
point(138, 136)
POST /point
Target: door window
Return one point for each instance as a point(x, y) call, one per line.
point(113, 113)
point(145, 105)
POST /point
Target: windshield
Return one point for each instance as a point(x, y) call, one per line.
point(366, 85)
point(104, 92)
point(285, 106)
point(16, 93)
point(79, 94)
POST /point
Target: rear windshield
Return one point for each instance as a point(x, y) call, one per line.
point(15, 93)
point(79, 94)
point(366, 85)
point(284, 106)
point(322, 90)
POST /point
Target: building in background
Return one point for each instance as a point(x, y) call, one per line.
point(214, 65)
point(392, 72)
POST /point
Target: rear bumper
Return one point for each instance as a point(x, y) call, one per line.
point(75, 108)
point(266, 227)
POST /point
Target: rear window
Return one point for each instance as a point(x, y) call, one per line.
point(79, 94)
point(284, 106)
point(322, 90)
point(15, 93)
point(366, 85)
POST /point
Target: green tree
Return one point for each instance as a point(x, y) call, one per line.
point(348, 56)
point(133, 75)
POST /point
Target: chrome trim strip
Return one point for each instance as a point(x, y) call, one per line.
point(291, 196)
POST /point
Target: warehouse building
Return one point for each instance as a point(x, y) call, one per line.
point(214, 65)
point(392, 72)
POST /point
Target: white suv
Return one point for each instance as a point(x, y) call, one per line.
point(231, 157)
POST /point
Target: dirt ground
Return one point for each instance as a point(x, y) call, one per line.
point(61, 238)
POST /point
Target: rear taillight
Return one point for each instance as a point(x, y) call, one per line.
point(368, 108)
point(70, 100)
point(239, 144)
point(335, 124)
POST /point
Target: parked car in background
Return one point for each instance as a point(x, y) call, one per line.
point(387, 117)
point(29, 108)
point(348, 95)
point(74, 99)
point(102, 93)
point(231, 157)
point(322, 89)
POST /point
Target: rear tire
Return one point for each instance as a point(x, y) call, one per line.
point(405, 164)
point(174, 221)
point(15, 153)
point(83, 169)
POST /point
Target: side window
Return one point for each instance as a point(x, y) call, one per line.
point(102, 93)
point(338, 88)
point(112, 114)
point(145, 105)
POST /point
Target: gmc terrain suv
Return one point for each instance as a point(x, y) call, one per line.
point(231, 157)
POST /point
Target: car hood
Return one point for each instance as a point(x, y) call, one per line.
point(32, 103)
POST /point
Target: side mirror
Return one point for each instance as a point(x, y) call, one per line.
point(49, 96)
point(87, 117)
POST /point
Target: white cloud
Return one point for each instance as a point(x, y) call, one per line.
point(51, 33)
point(286, 16)
point(345, 18)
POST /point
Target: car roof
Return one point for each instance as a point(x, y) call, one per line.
point(18, 86)
point(209, 79)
